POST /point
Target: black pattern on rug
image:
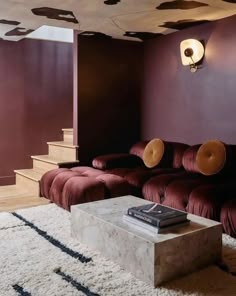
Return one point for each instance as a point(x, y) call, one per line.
point(75, 284)
point(53, 241)
point(20, 290)
point(10, 227)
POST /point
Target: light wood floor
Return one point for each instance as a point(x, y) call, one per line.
point(12, 199)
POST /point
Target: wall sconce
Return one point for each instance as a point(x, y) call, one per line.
point(192, 51)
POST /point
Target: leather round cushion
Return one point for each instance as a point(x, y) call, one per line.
point(153, 153)
point(211, 157)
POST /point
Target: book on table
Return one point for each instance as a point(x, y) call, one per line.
point(157, 215)
point(143, 226)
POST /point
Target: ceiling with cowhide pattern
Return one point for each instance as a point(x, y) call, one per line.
point(122, 19)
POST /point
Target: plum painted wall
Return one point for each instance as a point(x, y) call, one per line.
point(36, 98)
point(109, 91)
point(192, 108)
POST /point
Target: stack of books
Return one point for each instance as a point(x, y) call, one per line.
point(155, 217)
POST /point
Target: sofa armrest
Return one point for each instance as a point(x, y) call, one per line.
point(118, 160)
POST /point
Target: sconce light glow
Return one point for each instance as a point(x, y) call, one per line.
point(191, 51)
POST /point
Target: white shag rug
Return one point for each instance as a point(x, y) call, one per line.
point(38, 257)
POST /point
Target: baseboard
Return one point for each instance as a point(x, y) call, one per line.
point(7, 180)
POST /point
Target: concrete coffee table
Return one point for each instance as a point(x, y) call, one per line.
point(153, 258)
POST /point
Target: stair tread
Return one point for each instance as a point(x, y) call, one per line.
point(53, 160)
point(30, 173)
point(62, 144)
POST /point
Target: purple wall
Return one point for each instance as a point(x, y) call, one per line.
point(36, 96)
point(191, 107)
point(109, 82)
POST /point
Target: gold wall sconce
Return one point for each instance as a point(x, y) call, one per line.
point(191, 51)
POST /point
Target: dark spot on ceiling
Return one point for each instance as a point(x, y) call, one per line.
point(7, 22)
point(111, 2)
point(230, 1)
point(142, 35)
point(95, 35)
point(56, 14)
point(181, 4)
point(183, 24)
point(19, 32)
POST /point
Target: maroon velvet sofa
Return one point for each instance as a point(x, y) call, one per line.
point(175, 181)
point(111, 176)
point(211, 196)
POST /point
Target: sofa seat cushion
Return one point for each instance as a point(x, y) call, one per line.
point(122, 172)
point(154, 189)
point(67, 187)
point(207, 200)
point(86, 171)
point(115, 185)
point(178, 191)
point(139, 176)
point(79, 189)
point(47, 179)
point(228, 217)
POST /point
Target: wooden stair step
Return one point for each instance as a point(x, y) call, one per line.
point(63, 150)
point(63, 144)
point(28, 180)
point(30, 174)
point(53, 160)
point(68, 134)
point(45, 163)
point(26, 191)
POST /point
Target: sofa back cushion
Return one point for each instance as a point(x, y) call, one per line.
point(138, 148)
point(209, 158)
point(159, 153)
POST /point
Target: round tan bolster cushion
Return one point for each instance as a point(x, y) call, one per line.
point(207, 159)
point(163, 154)
point(211, 157)
point(153, 153)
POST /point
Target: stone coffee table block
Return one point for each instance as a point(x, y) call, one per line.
point(153, 258)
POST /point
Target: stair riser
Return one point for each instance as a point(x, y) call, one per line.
point(68, 137)
point(28, 185)
point(64, 153)
point(43, 166)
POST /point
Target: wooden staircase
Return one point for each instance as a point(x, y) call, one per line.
point(60, 154)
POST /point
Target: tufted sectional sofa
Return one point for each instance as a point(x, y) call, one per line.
point(198, 179)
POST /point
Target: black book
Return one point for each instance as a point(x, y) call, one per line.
point(148, 228)
point(157, 214)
